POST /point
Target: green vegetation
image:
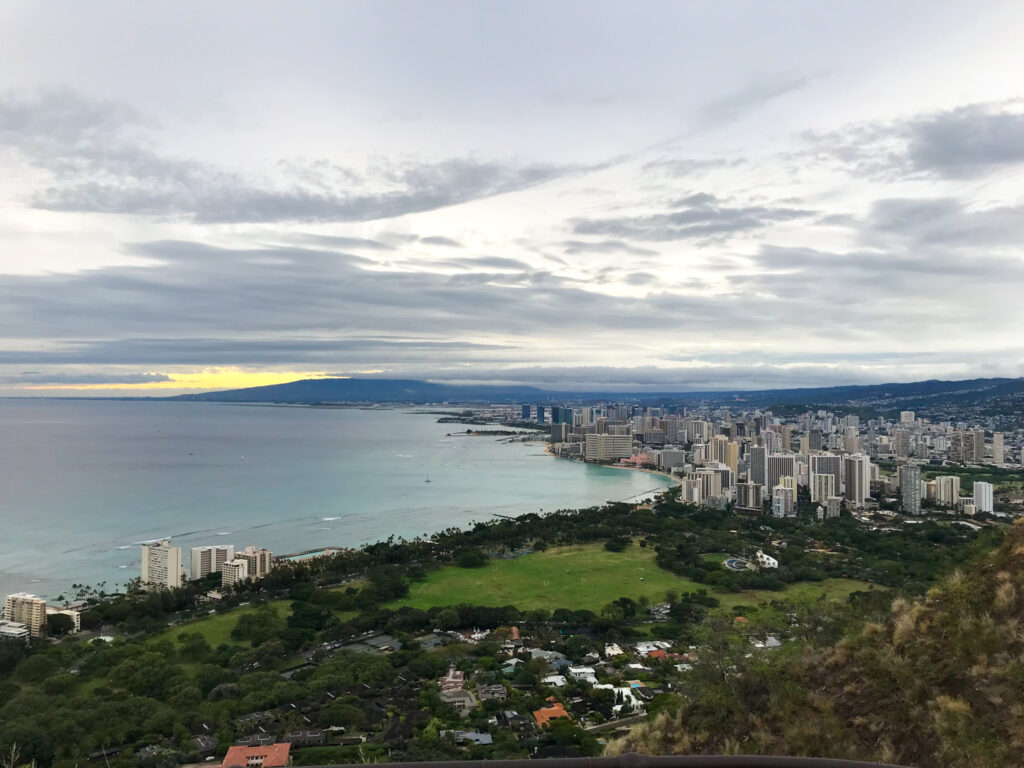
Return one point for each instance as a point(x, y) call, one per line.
point(175, 667)
point(585, 577)
point(216, 628)
point(929, 682)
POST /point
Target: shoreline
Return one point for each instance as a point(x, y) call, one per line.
point(672, 478)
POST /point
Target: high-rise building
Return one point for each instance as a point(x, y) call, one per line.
point(758, 465)
point(260, 561)
point(161, 564)
point(822, 486)
point(979, 444)
point(851, 440)
point(901, 442)
point(207, 560)
point(23, 608)
point(607, 447)
point(857, 469)
point(910, 488)
point(998, 452)
point(826, 464)
point(783, 501)
point(814, 438)
point(234, 572)
point(983, 497)
point(834, 506)
point(723, 451)
point(749, 496)
point(779, 465)
point(786, 433)
point(907, 417)
point(540, 414)
point(690, 491)
point(526, 413)
point(947, 490)
point(805, 444)
point(710, 484)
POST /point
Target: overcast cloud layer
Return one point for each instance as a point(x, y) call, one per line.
point(573, 195)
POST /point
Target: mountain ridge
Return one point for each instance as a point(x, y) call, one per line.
point(425, 391)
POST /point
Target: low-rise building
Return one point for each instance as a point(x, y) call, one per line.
point(269, 756)
point(13, 630)
point(462, 700)
point(547, 714)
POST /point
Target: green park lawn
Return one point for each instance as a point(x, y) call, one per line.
point(216, 627)
point(584, 577)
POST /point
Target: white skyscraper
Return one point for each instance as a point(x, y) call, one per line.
point(207, 560)
point(234, 571)
point(983, 497)
point(161, 564)
point(857, 468)
point(998, 452)
point(910, 488)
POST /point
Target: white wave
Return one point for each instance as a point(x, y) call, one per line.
point(329, 519)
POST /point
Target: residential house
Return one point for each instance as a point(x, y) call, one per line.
point(547, 714)
point(270, 756)
point(462, 700)
point(468, 737)
point(491, 692)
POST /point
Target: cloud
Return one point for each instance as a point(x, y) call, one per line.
point(99, 162)
point(573, 247)
point(438, 240)
point(967, 142)
point(739, 104)
point(36, 378)
point(695, 217)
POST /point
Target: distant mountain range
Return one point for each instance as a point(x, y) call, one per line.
point(907, 395)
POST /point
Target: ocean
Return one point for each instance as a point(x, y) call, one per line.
point(83, 483)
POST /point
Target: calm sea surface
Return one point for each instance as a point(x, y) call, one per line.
point(82, 483)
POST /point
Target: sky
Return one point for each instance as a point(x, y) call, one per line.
point(573, 195)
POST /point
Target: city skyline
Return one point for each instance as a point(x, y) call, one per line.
point(673, 198)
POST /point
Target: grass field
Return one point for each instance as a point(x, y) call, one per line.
point(715, 557)
point(216, 628)
point(586, 577)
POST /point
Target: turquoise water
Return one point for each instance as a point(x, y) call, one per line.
point(83, 482)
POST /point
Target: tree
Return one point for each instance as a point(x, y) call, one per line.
point(58, 624)
point(470, 558)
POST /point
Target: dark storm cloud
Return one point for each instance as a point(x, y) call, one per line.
point(695, 217)
point(102, 164)
point(962, 143)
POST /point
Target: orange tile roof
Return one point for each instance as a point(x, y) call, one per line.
point(658, 654)
point(270, 756)
point(546, 715)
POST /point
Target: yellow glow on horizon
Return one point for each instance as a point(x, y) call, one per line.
point(210, 378)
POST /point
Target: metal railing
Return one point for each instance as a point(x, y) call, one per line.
point(633, 760)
